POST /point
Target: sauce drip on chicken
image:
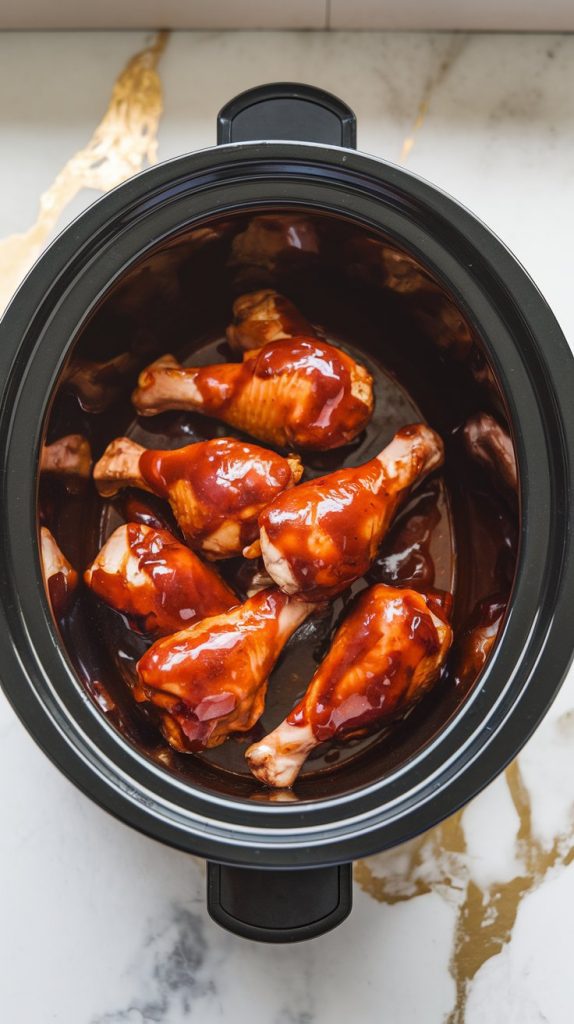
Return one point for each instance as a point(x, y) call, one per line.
point(385, 656)
point(210, 680)
point(326, 533)
point(158, 583)
point(299, 392)
point(216, 488)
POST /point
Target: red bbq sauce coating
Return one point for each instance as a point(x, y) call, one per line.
point(164, 588)
point(212, 481)
point(368, 675)
point(333, 414)
point(325, 534)
point(310, 382)
point(329, 529)
point(339, 505)
point(211, 680)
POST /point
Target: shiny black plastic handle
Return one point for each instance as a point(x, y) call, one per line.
point(279, 906)
point(290, 112)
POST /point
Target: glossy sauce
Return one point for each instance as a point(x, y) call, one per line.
point(332, 415)
point(386, 635)
point(178, 588)
point(308, 390)
point(329, 531)
point(348, 522)
point(61, 587)
point(60, 578)
point(212, 481)
point(478, 638)
point(407, 557)
point(140, 508)
point(212, 678)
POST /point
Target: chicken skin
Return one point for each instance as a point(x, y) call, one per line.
point(264, 316)
point(158, 583)
point(299, 392)
point(318, 539)
point(210, 680)
point(216, 488)
point(60, 578)
point(385, 656)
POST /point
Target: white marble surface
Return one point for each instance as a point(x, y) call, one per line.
point(470, 923)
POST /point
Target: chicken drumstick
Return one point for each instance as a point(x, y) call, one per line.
point(157, 582)
point(384, 657)
point(210, 680)
point(216, 488)
point(68, 457)
point(296, 391)
point(323, 535)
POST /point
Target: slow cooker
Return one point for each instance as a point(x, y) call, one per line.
point(451, 327)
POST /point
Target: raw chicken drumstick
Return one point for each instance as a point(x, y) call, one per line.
point(264, 316)
point(216, 488)
point(296, 391)
point(210, 680)
point(60, 579)
point(319, 538)
point(384, 657)
point(157, 582)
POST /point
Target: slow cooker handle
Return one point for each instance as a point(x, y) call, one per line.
point(279, 906)
point(287, 111)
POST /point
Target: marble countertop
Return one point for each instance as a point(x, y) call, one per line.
point(470, 923)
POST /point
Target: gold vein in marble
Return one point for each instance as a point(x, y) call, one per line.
point(436, 862)
point(123, 143)
point(453, 52)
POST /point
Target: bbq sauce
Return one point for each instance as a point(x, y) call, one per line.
point(253, 477)
point(307, 367)
point(350, 511)
point(378, 616)
point(174, 587)
point(209, 681)
point(61, 587)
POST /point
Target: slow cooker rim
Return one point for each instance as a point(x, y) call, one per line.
point(290, 147)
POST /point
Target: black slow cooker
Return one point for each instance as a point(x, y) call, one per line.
point(451, 327)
